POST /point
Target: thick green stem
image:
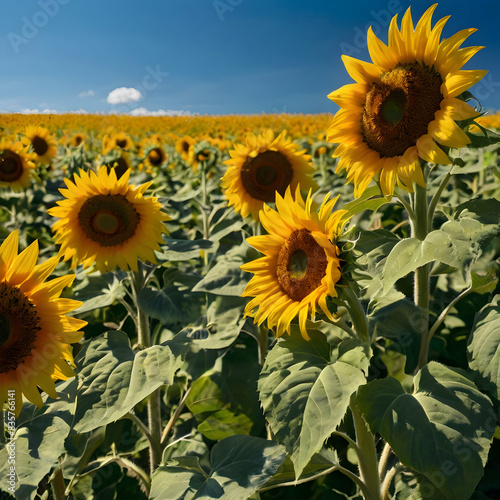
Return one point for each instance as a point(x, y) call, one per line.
point(422, 274)
point(263, 342)
point(57, 485)
point(435, 199)
point(154, 401)
point(357, 314)
point(367, 455)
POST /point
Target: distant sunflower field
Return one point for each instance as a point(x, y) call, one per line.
point(258, 307)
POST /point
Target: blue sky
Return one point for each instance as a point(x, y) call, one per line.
point(207, 56)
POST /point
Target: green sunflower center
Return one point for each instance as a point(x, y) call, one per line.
point(19, 326)
point(301, 265)
point(108, 219)
point(399, 108)
point(11, 166)
point(269, 172)
point(40, 145)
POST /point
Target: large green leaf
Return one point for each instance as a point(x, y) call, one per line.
point(99, 291)
point(113, 378)
point(484, 348)
point(39, 441)
point(304, 395)
point(458, 243)
point(443, 430)
point(240, 466)
point(182, 250)
point(226, 277)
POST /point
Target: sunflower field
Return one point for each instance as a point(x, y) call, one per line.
point(258, 307)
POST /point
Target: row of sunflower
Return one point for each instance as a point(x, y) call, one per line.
point(225, 321)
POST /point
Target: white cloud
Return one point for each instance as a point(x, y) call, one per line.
point(123, 95)
point(160, 112)
point(86, 93)
point(46, 111)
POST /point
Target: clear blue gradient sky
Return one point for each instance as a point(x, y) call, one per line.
point(208, 56)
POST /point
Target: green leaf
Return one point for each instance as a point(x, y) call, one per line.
point(39, 441)
point(112, 378)
point(99, 291)
point(457, 244)
point(369, 200)
point(182, 250)
point(479, 141)
point(484, 348)
point(217, 419)
point(443, 430)
point(240, 466)
point(226, 278)
point(303, 395)
point(486, 211)
point(484, 284)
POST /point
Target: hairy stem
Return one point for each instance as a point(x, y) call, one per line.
point(357, 314)
point(367, 454)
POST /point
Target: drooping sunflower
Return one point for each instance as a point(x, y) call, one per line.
point(301, 263)
point(404, 105)
point(16, 165)
point(107, 221)
point(263, 167)
point(35, 333)
point(44, 145)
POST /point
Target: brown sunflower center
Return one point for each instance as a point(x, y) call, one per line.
point(301, 265)
point(108, 219)
point(155, 157)
point(40, 145)
point(120, 165)
point(78, 140)
point(121, 143)
point(185, 146)
point(11, 166)
point(265, 174)
point(399, 108)
point(19, 325)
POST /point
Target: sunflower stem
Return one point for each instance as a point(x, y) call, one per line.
point(357, 314)
point(57, 485)
point(422, 274)
point(367, 454)
point(154, 403)
point(435, 199)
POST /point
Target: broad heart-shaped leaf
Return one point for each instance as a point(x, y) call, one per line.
point(240, 466)
point(484, 349)
point(39, 441)
point(458, 243)
point(112, 379)
point(304, 395)
point(182, 250)
point(226, 277)
point(443, 430)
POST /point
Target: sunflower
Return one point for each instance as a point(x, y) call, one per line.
point(76, 139)
point(404, 105)
point(107, 220)
point(119, 140)
point(35, 332)
point(154, 155)
point(301, 262)
point(42, 143)
point(262, 167)
point(16, 165)
point(183, 146)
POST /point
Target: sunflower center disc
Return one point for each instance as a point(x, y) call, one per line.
point(120, 166)
point(155, 157)
point(121, 143)
point(265, 174)
point(78, 140)
point(108, 219)
point(301, 265)
point(399, 108)
point(19, 325)
point(40, 145)
point(11, 166)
